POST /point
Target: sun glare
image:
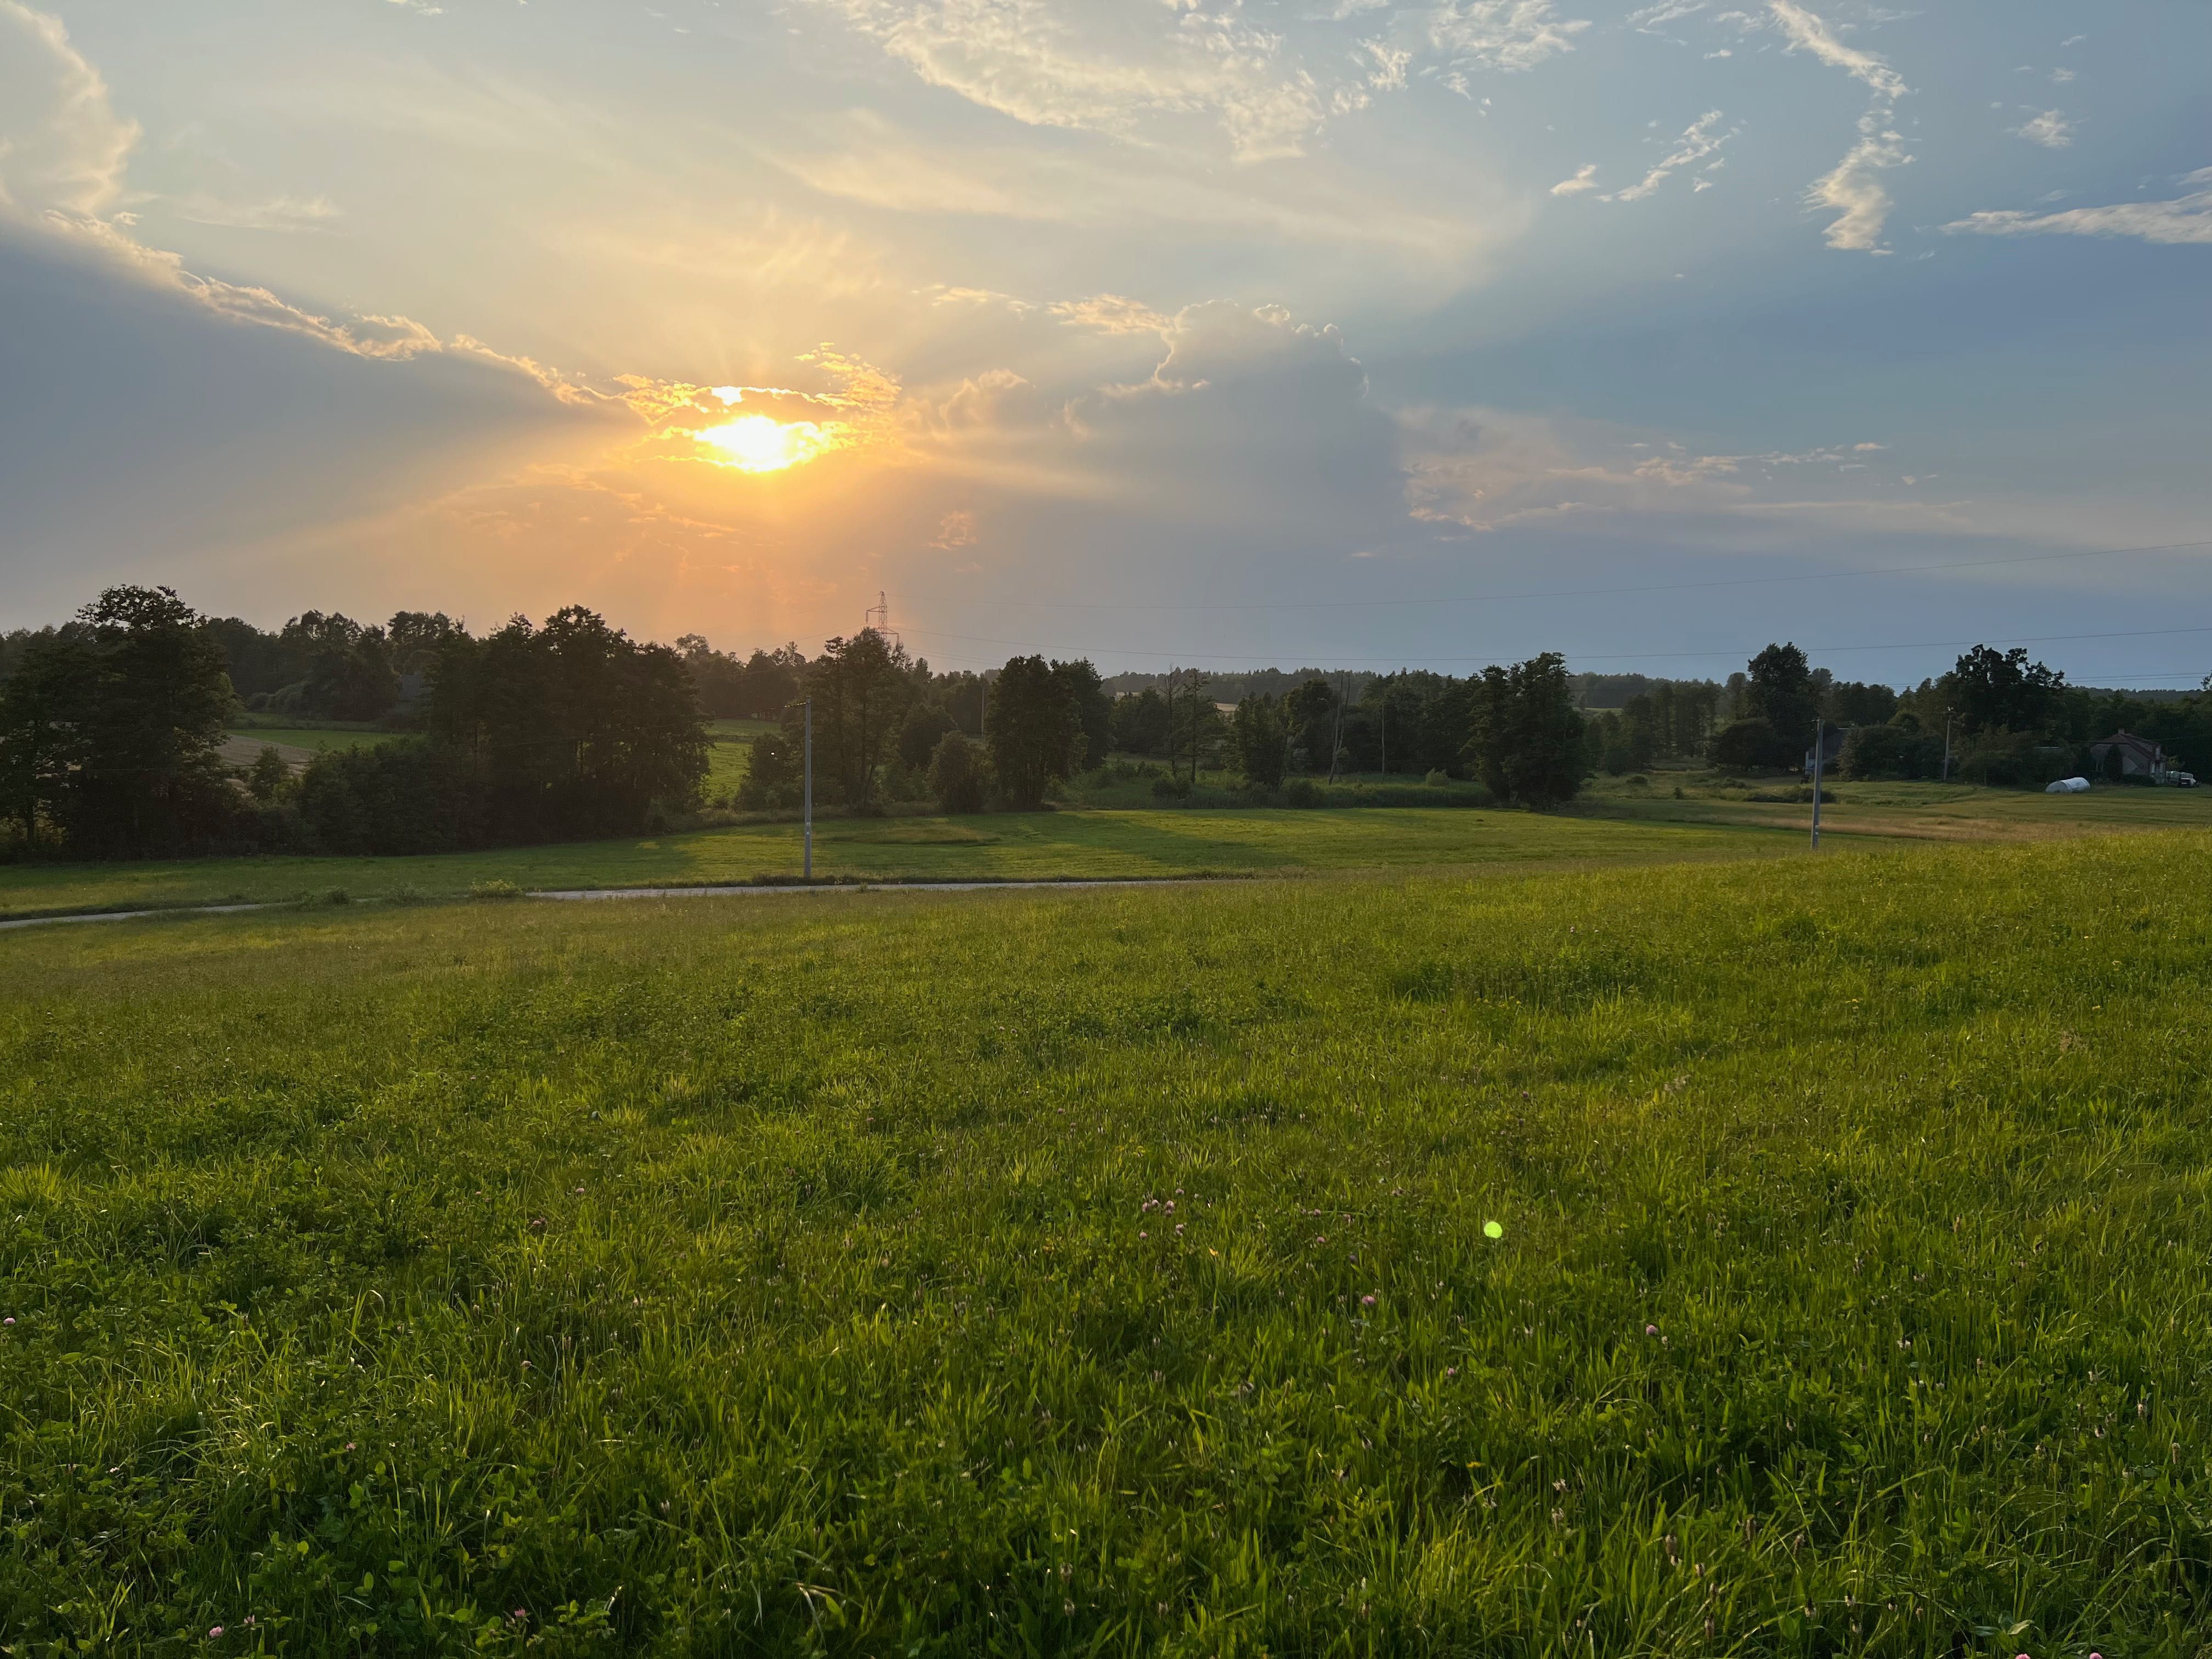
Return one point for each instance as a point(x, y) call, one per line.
point(754, 443)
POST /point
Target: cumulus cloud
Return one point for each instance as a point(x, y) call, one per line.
point(1699, 140)
point(2183, 219)
point(2051, 130)
point(1853, 188)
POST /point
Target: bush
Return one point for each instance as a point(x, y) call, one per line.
point(1890, 751)
point(1438, 779)
point(1743, 745)
point(395, 798)
point(1302, 791)
point(1171, 789)
point(956, 775)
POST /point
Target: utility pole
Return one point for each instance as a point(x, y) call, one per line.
point(1336, 738)
point(1947, 746)
point(806, 867)
point(1819, 743)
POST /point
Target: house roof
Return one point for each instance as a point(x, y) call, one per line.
point(2142, 746)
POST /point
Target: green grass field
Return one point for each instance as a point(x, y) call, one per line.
point(1107, 1272)
point(1014, 845)
point(312, 738)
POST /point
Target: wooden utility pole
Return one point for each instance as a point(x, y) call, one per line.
point(807, 863)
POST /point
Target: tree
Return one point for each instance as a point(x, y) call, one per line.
point(1995, 691)
point(1780, 690)
point(1527, 740)
point(136, 716)
point(956, 774)
point(1033, 729)
point(574, 727)
point(1854, 702)
point(861, 689)
point(925, 724)
point(268, 778)
point(1310, 714)
point(1260, 741)
point(1744, 744)
point(1094, 709)
point(349, 675)
point(775, 768)
point(1140, 725)
point(43, 737)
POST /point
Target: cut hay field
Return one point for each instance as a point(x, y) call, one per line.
point(1020, 846)
point(1113, 1273)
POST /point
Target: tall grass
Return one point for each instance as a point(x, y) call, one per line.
point(1107, 1273)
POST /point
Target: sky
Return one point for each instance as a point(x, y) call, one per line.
point(1290, 331)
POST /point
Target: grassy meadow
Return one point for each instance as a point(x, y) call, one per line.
point(1019, 846)
point(1115, 1272)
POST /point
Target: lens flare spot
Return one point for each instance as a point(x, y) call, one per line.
point(755, 443)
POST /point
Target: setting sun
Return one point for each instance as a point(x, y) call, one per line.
point(754, 443)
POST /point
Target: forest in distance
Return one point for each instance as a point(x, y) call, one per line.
point(111, 726)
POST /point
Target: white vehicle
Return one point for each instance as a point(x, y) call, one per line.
point(2182, 779)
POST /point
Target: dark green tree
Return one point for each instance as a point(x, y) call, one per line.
point(2001, 691)
point(1260, 740)
point(1780, 690)
point(1310, 713)
point(926, 723)
point(861, 688)
point(1140, 724)
point(1034, 730)
point(956, 774)
point(1094, 709)
point(1527, 742)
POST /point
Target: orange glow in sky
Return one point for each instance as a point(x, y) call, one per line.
point(754, 443)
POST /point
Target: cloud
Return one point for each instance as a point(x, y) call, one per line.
point(2183, 220)
point(1111, 314)
point(1699, 140)
point(1852, 188)
point(955, 529)
point(1585, 179)
point(285, 213)
point(1500, 35)
point(1131, 71)
point(2051, 130)
point(62, 147)
point(1486, 470)
point(1046, 67)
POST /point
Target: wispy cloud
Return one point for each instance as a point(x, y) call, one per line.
point(1113, 314)
point(62, 145)
point(1699, 140)
point(1853, 188)
point(2051, 130)
point(1585, 179)
point(2183, 219)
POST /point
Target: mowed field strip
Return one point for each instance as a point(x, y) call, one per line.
point(1112, 1271)
point(1616, 825)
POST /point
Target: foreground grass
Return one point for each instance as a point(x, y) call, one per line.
point(1107, 1272)
point(1027, 845)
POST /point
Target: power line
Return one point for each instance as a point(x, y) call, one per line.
point(1573, 656)
point(1563, 593)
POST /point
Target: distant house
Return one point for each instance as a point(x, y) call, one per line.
point(1831, 748)
point(2139, 757)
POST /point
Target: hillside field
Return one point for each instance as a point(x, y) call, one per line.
point(1748, 1257)
point(1615, 824)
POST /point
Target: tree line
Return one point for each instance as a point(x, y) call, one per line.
point(112, 727)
